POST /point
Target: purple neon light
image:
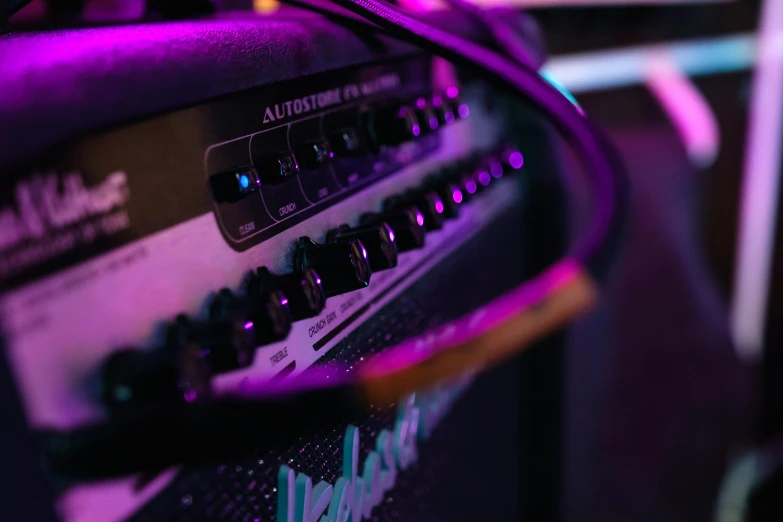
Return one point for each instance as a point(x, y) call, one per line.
point(416, 130)
point(391, 235)
point(516, 160)
point(364, 253)
point(420, 219)
point(471, 186)
point(421, 103)
point(484, 178)
point(331, 154)
point(249, 324)
point(437, 100)
point(439, 207)
point(284, 301)
point(449, 117)
point(190, 396)
point(464, 111)
point(456, 195)
point(452, 92)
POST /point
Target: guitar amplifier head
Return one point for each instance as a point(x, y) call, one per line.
point(194, 209)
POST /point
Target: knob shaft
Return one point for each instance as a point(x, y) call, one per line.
point(378, 239)
point(343, 267)
point(304, 291)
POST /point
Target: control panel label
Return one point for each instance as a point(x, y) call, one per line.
point(52, 214)
point(312, 102)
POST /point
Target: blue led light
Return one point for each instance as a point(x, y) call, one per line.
point(244, 181)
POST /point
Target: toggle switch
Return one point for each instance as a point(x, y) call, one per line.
point(346, 143)
point(315, 154)
point(273, 169)
point(233, 185)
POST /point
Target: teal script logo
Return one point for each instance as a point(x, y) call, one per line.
point(355, 494)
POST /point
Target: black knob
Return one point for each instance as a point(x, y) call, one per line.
point(227, 344)
point(346, 143)
point(512, 160)
point(463, 175)
point(233, 185)
point(468, 184)
point(443, 111)
point(315, 154)
point(343, 267)
point(428, 202)
point(450, 193)
point(427, 117)
point(452, 102)
point(135, 378)
point(482, 176)
point(391, 126)
point(275, 168)
point(377, 239)
point(407, 223)
point(268, 314)
point(304, 291)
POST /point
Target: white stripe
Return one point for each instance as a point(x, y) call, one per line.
point(760, 185)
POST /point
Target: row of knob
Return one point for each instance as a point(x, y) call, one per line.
point(263, 312)
point(390, 125)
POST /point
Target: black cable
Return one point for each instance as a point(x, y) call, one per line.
point(228, 425)
point(600, 239)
